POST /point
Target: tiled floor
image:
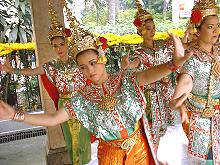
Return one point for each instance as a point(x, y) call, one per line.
point(30, 151)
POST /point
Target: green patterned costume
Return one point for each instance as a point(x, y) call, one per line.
point(68, 80)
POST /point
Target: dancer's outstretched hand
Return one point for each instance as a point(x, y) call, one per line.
point(6, 111)
point(180, 57)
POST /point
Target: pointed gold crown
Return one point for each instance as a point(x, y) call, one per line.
point(141, 15)
point(56, 28)
point(82, 39)
point(202, 9)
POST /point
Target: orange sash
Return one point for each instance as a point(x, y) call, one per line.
point(138, 154)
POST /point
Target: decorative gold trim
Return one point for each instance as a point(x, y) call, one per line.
point(206, 7)
point(208, 113)
point(216, 69)
point(66, 95)
point(142, 14)
point(203, 101)
point(56, 28)
point(108, 103)
point(125, 144)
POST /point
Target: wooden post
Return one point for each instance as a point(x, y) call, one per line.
point(57, 152)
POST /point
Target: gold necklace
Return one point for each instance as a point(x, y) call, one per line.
point(108, 101)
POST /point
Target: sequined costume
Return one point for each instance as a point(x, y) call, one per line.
point(113, 112)
point(204, 129)
point(68, 79)
point(158, 94)
point(165, 122)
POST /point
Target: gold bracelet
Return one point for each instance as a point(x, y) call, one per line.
point(19, 116)
point(171, 66)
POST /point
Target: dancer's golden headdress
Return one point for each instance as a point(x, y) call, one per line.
point(141, 17)
point(56, 28)
point(83, 40)
point(202, 9)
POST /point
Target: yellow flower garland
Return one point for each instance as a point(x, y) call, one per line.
point(113, 39)
point(6, 48)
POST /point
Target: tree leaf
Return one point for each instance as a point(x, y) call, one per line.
point(22, 35)
point(16, 3)
point(28, 31)
point(22, 6)
point(6, 29)
point(13, 34)
point(3, 21)
point(20, 15)
point(28, 9)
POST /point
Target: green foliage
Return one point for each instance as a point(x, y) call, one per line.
point(97, 12)
point(165, 25)
point(93, 17)
point(15, 21)
point(124, 22)
point(127, 4)
point(154, 5)
point(126, 16)
point(95, 20)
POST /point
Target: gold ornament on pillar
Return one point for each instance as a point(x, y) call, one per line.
point(82, 39)
point(56, 28)
point(141, 17)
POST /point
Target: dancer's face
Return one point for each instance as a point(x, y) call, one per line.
point(209, 30)
point(149, 30)
point(87, 63)
point(60, 47)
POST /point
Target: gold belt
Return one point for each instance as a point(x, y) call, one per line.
point(203, 101)
point(66, 95)
point(208, 112)
point(125, 144)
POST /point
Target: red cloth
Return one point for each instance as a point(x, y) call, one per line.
point(51, 90)
point(93, 138)
point(54, 95)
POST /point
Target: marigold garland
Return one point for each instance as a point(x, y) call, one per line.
point(113, 39)
point(6, 48)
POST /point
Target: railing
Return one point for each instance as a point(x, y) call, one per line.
point(22, 134)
